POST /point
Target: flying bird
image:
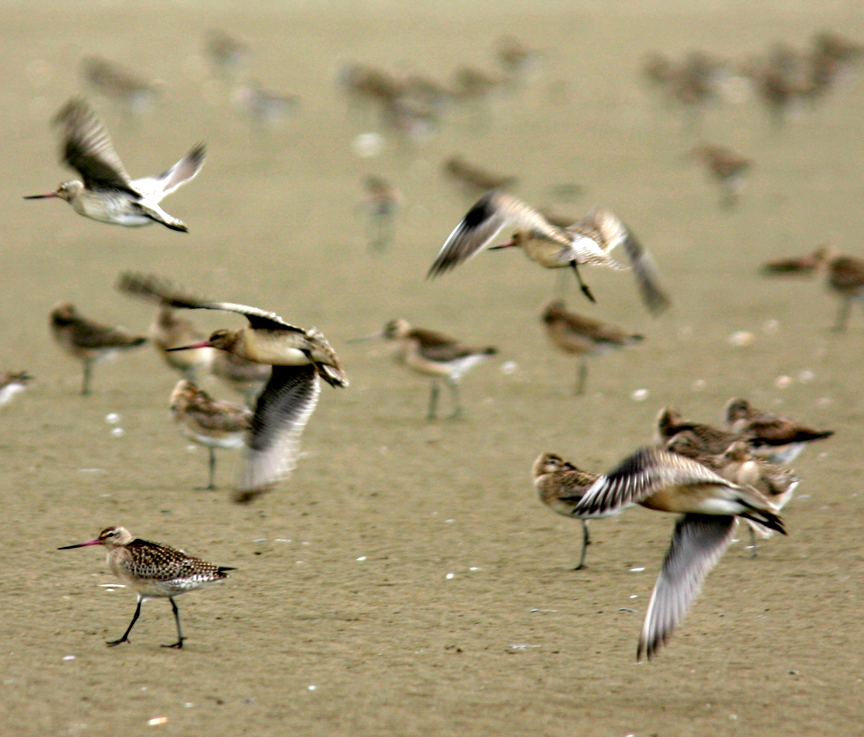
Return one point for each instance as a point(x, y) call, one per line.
point(588, 241)
point(105, 192)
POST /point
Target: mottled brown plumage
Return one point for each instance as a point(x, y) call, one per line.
point(706, 438)
point(726, 167)
point(153, 571)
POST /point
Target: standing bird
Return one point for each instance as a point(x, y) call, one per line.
point(582, 336)
point(561, 486)
point(588, 241)
point(244, 377)
point(705, 438)
point(113, 81)
point(154, 571)
point(208, 422)
point(107, 194)
point(12, 383)
point(168, 329)
point(381, 200)
point(668, 482)
point(844, 276)
point(89, 341)
point(777, 438)
point(434, 354)
point(298, 358)
point(727, 168)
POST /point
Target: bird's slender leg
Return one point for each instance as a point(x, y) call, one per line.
point(581, 375)
point(457, 405)
point(211, 486)
point(85, 384)
point(180, 638)
point(582, 285)
point(753, 547)
point(586, 541)
point(125, 638)
point(842, 315)
point(433, 401)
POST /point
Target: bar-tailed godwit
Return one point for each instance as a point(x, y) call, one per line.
point(112, 80)
point(154, 571)
point(298, 357)
point(89, 341)
point(474, 178)
point(726, 167)
point(588, 241)
point(561, 486)
point(105, 192)
point(668, 482)
point(707, 438)
point(209, 422)
point(777, 438)
point(582, 336)
point(434, 354)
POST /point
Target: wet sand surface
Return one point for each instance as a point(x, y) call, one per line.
point(405, 580)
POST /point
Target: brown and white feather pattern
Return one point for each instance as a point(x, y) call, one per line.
point(273, 443)
point(162, 567)
point(698, 543)
point(642, 474)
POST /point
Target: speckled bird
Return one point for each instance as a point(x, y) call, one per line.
point(153, 571)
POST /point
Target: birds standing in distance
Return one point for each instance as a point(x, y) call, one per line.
point(588, 241)
point(112, 80)
point(774, 437)
point(226, 52)
point(105, 191)
point(434, 354)
point(582, 336)
point(381, 199)
point(154, 571)
point(739, 465)
point(561, 486)
point(726, 167)
point(208, 422)
point(168, 330)
point(12, 383)
point(668, 482)
point(298, 358)
point(89, 341)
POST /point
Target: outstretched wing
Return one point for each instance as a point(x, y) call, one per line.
point(492, 212)
point(644, 473)
point(273, 443)
point(165, 183)
point(88, 149)
point(697, 544)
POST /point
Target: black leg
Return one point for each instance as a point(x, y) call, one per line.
point(433, 401)
point(85, 385)
point(180, 638)
point(586, 541)
point(842, 315)
point(211, 486)
point(582, 285)
point(457, 405)
point(581, 376)
point(125, 638)
point(753, 546)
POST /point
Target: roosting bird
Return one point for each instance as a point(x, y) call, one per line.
point(588, 241)
point(105, 192)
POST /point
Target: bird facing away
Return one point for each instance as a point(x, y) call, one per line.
point(298, 358)
point(89, 341)
point(582, 336)
point(561, 486)
point(105, 191)
point(588, 241)
point(209, 422)
point(727, 168)
point(12, 383)
point(777, 438)
point(154, 571)
point(739, 465)
point(437, 355)
point(168, 330)
point(668, 482)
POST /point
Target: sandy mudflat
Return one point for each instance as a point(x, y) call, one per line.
point(342, 618)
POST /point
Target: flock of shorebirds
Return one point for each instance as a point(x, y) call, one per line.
point(713, 477)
